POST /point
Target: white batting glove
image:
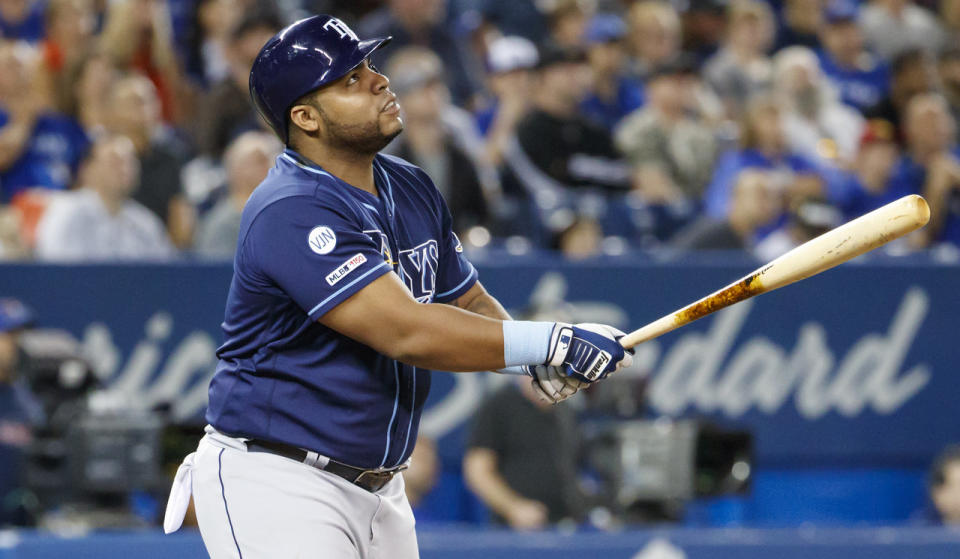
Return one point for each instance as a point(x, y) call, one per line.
point(551, 384)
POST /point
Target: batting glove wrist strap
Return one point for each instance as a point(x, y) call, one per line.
point(526, 342)
point(560, 340)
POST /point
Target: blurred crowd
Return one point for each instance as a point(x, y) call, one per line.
point(587, 126)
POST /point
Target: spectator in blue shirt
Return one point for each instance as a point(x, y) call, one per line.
point(867, 186)
point(38, 147)
point(22, 20)
point(931, 166)
point(763, 146)
point(861, 78)
point(613, 94)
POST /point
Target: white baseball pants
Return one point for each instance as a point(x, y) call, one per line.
point(259, 505)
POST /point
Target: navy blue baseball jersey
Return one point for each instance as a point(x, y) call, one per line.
point(308, 241)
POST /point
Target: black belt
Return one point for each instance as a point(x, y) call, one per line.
point(371, 480)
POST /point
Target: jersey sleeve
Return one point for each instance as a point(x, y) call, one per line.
point(456, 275)
point(316, 253)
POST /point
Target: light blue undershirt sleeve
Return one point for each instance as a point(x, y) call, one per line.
point(525, 343)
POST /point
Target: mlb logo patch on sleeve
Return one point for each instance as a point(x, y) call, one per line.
point(322, 239)
point(345, 268)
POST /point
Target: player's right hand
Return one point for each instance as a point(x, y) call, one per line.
point(551, 383)
point(587, 352)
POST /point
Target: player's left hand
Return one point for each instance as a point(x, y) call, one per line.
point(588, 352)
point(552, 384)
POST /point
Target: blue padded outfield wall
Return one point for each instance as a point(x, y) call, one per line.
point(848, 380)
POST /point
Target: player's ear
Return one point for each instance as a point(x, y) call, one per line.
point(306, 117)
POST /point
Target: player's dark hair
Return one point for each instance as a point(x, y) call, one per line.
point(938, 472)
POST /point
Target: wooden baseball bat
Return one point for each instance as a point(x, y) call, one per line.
point(834, 247)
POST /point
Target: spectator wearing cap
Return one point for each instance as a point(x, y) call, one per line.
point(613, 94)
point(440, 137)
point(225, 110)
point(99, 221)
point(422, 23)
point(930, 166)
point(20, 414)
point(866, 186)
point(755, 203)
point(39, 147)
point(816, 124)
point(894, 26)
point(912, 72)
point(861, 78)
point(22, 20)
point(948, 64)
point(671, 152)
point(510, 64)
point(558, 148)
point(741, 68)
point(654, 37)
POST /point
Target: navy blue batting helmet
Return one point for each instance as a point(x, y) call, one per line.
point(302, 57)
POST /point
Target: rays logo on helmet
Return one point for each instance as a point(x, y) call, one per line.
point(341, 28)
point(322, 239)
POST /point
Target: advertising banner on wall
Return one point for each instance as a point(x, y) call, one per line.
point(856, 366)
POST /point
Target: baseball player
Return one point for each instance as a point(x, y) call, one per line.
point(348, 286)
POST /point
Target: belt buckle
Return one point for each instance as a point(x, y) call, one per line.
point(374, 480)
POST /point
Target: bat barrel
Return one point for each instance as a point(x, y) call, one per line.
point(834, 247)
point(846, 242)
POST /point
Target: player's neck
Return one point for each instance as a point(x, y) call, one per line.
point(352, 168)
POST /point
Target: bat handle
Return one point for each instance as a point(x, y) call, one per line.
point(650, 331)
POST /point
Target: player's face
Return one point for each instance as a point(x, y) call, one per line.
point(359, 112)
